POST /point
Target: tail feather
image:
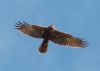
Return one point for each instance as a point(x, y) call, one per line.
point(44, 46)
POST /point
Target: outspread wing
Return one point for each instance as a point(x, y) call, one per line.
point(67, 39)
point(31, 30)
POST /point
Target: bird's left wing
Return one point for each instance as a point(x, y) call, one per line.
point(67, 39)
point(31, 30)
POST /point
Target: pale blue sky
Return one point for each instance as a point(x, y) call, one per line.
point(80, 18)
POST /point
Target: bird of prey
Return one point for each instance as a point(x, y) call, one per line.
point(50, 34)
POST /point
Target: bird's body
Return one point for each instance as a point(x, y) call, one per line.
point(50, 33)
point(46, 35)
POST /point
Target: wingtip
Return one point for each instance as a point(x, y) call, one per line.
point(77, 43)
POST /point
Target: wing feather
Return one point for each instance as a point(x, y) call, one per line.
point(67, 39)
point(31, 30)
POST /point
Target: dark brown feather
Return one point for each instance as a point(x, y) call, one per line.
point(44, 46)
point(67, 39)
point(31, 30)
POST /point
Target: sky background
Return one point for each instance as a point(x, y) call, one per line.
point(81, 18)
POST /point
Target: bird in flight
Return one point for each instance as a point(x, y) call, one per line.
point(50, 34)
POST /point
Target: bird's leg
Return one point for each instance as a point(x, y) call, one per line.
point(44, 46)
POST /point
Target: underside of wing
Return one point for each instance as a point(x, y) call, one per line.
point(67, 39)
point(31, 30)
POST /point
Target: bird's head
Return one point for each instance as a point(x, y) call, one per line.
point(51, 26)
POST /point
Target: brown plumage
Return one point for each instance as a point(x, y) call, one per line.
point(50, 33)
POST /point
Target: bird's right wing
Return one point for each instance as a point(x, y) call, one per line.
point(67, 39)
point(31, 30)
